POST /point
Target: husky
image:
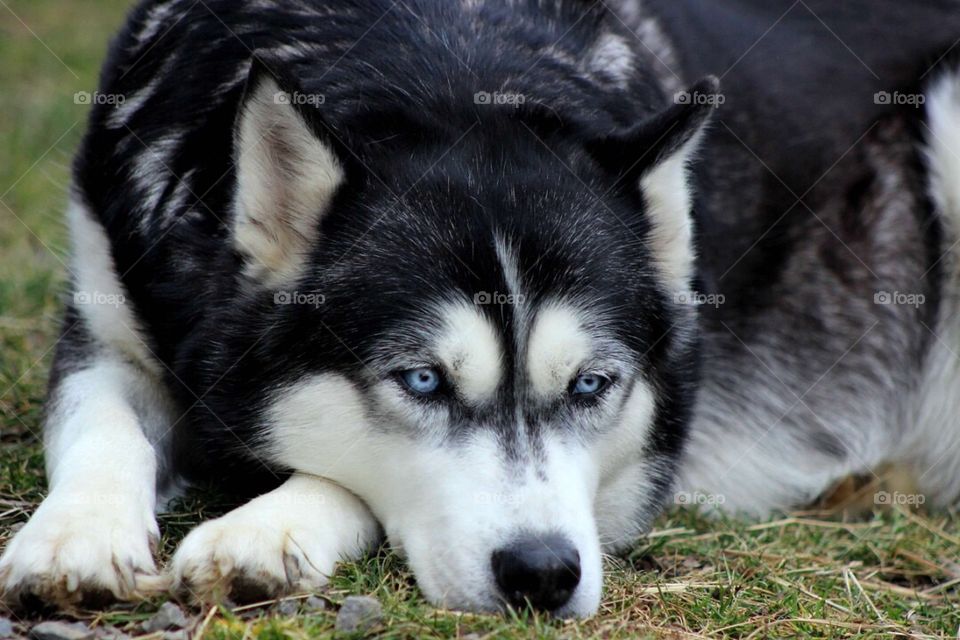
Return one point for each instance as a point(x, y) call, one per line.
point(494, 281)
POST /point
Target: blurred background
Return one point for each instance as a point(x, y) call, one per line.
point(49, 51)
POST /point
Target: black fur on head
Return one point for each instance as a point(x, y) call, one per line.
point(426, 198)
point(454, 124)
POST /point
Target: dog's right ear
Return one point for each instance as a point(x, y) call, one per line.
point(288, 171)
point(651, 159)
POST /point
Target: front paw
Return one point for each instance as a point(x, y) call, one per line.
point(77, 550)
point(245, 557)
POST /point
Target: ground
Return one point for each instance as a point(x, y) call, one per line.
point(799, 575)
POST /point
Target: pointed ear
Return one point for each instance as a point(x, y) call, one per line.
point(288, 172)
point(653, 157)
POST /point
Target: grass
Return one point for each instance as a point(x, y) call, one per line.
point(805, 575)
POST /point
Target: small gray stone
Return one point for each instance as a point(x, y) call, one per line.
point(359, 613)
point(54, 630)
point(288, 607)
point(110, 632)
point(176, 635)
point(314, 604)
point(6, 628)
point(170, 616)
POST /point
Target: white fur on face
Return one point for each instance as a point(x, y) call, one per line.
point(286, 179)
point(450, 530)
point(470, 351)
point(625, 476)
point(558, 347)
point(449, 505)
point(446, 506)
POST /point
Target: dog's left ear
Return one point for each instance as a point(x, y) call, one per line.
point(288, 170)
point(652, 156)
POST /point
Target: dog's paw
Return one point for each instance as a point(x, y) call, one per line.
point(80, 551)
point(248, 555)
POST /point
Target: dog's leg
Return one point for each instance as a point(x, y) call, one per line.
point(92, 535)
point(106, 421)
point(285, 541)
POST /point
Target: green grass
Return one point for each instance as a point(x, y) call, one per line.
point(802, 576)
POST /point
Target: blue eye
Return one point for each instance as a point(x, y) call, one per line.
point(423, 381)
point(589, 384)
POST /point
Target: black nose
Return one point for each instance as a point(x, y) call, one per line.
point(541, 570)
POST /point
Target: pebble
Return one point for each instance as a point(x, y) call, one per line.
point(359, 613)
point(314, 604)
point(6, 628)
point(54, 630)
point(288, 607)
point(169, 617)
point(110, 632)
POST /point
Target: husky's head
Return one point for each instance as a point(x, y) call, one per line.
point(480, 330)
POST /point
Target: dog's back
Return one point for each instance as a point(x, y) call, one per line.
point(826, 230)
